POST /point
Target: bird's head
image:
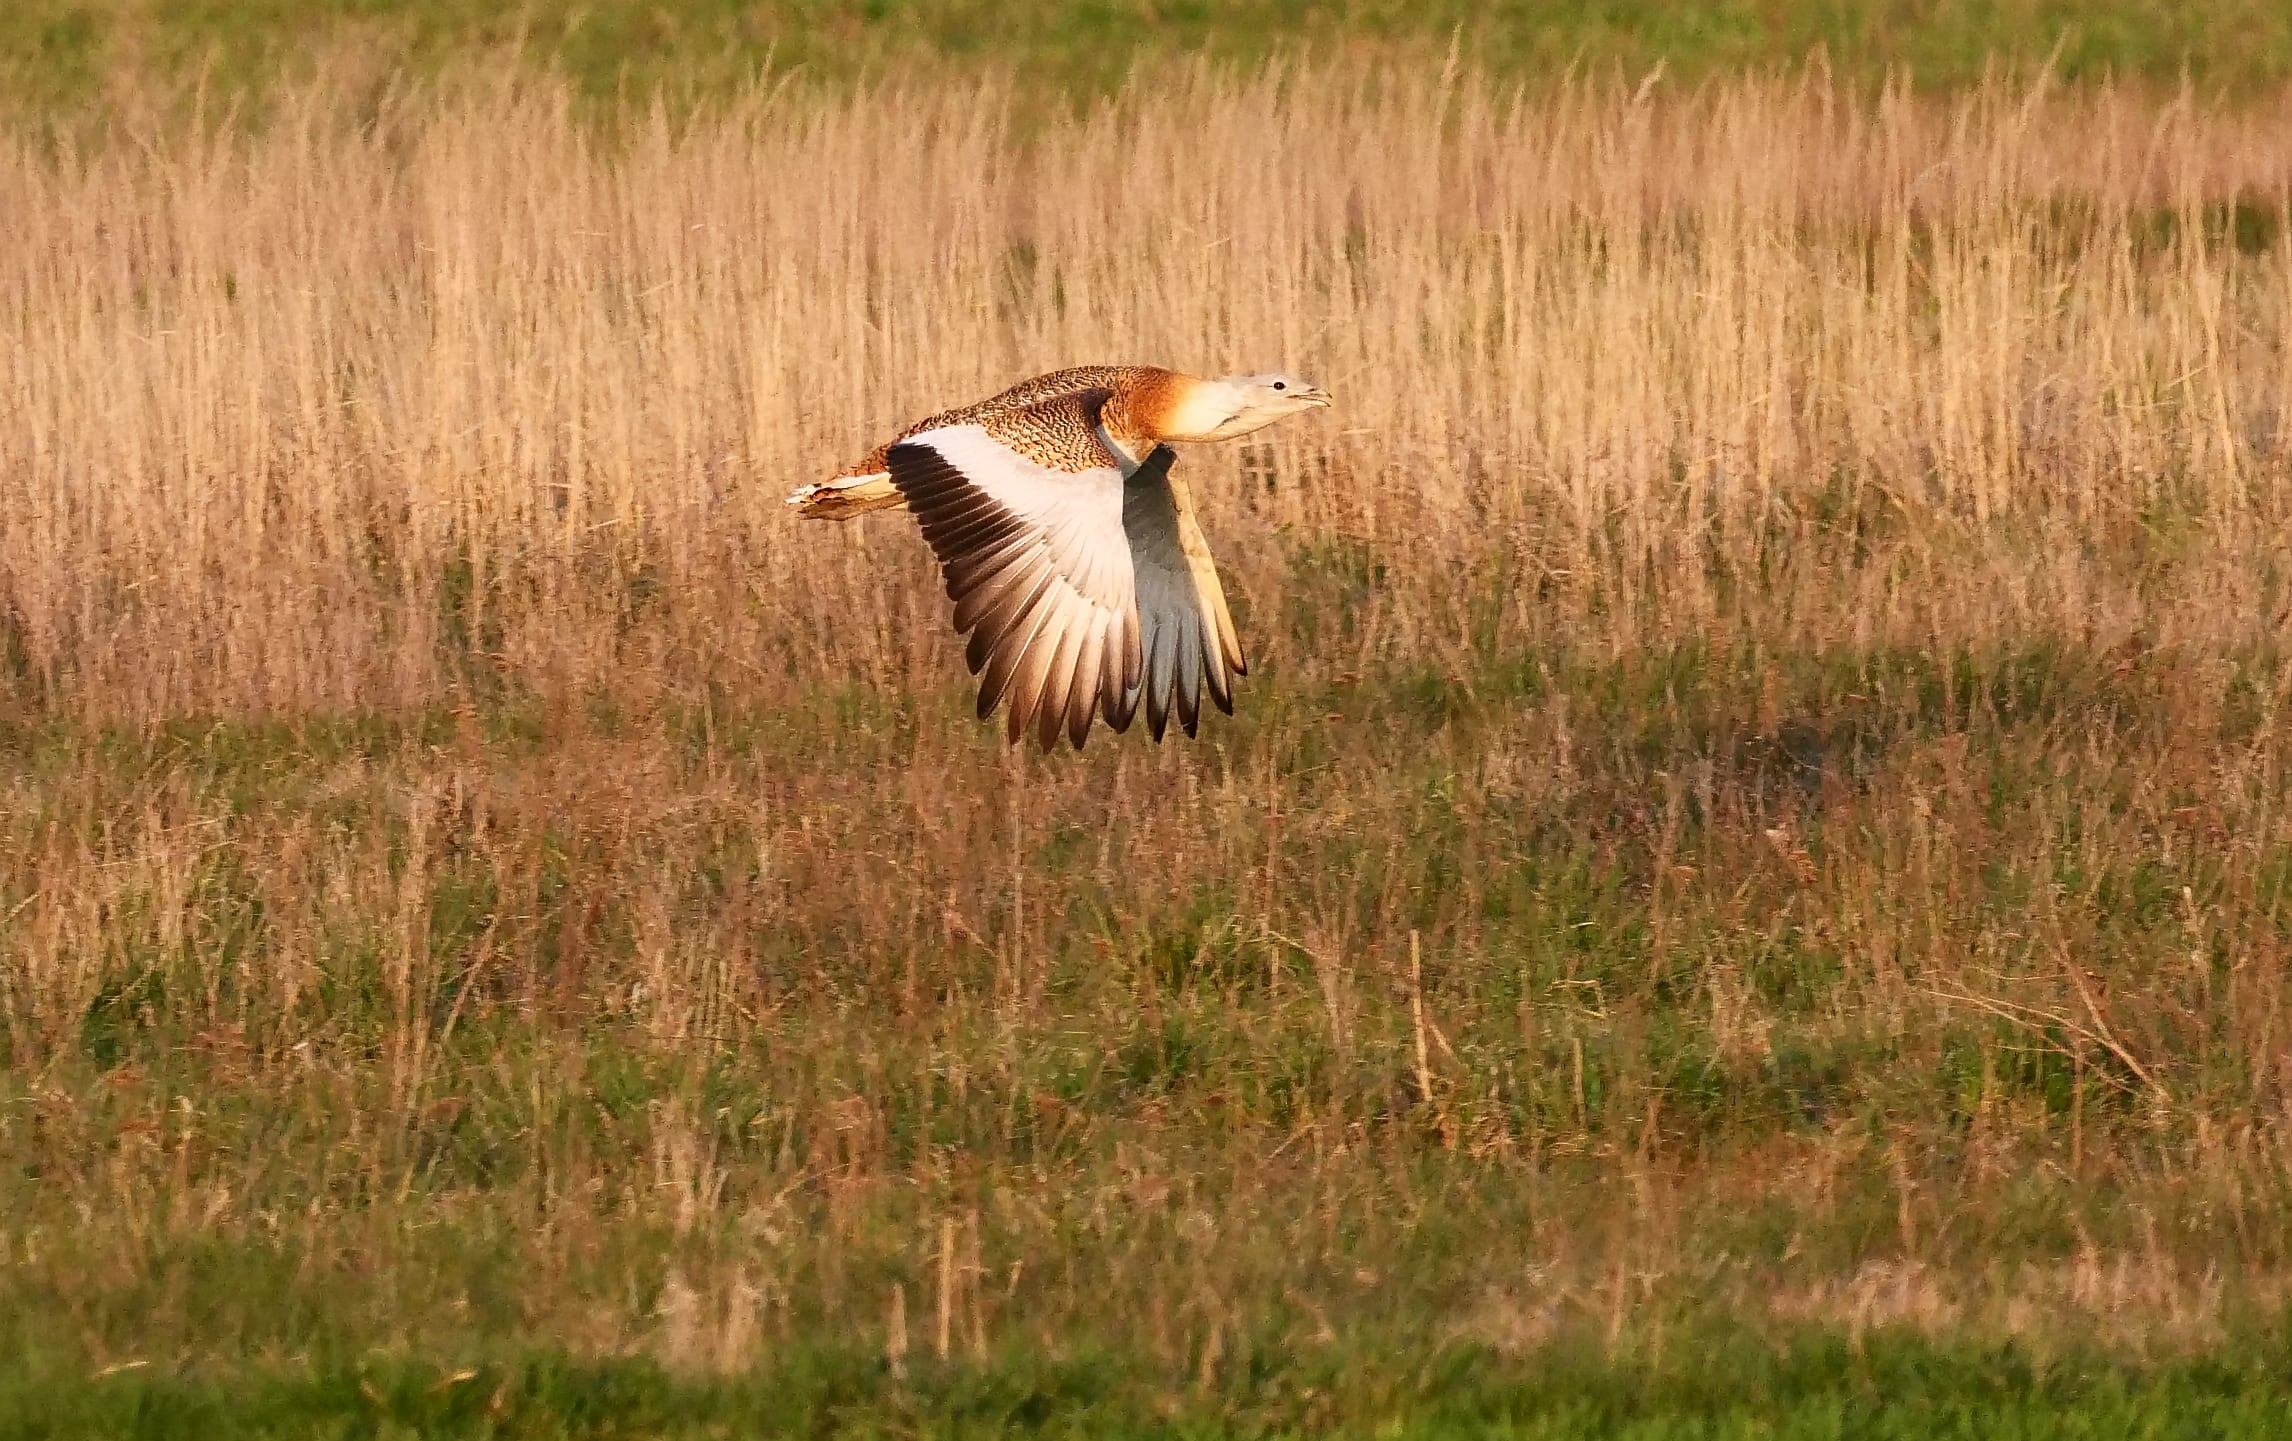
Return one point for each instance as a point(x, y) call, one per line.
point(1238, 404)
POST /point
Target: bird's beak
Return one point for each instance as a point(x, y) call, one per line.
point(1314, 395)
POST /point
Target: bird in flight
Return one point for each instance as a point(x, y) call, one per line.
point(1072, 554)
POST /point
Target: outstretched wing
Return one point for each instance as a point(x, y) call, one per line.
point(1082, 590)
point(1186, 632)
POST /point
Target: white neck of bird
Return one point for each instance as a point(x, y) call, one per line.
point(1206, 412)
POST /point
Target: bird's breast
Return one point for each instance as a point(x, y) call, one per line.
point(1129, 451)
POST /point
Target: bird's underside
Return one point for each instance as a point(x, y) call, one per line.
point(1071, 553)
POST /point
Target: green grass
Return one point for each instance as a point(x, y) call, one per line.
point(1816, 1387)
point(1183, 1200)
point(62, 49)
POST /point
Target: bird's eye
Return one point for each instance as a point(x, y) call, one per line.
point(1281, 385)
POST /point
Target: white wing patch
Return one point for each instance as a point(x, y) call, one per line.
point(1082, 592)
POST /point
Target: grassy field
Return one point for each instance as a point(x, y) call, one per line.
point(1750, 877)
point(76, 51)
point(1892, 1390)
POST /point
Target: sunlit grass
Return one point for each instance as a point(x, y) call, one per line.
point(1759, 804)
point(70, 51)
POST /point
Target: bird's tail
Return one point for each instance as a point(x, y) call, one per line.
point(847, 496)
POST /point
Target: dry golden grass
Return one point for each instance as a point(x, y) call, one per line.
point(1761, 781)
point(273, 393)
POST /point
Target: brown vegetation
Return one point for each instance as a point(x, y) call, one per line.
point(1764, 774)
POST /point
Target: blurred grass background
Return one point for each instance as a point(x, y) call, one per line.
point(64, 51)
point(1720, 1386)
point(610, 981)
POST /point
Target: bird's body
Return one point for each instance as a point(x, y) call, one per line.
point(1071, 553)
